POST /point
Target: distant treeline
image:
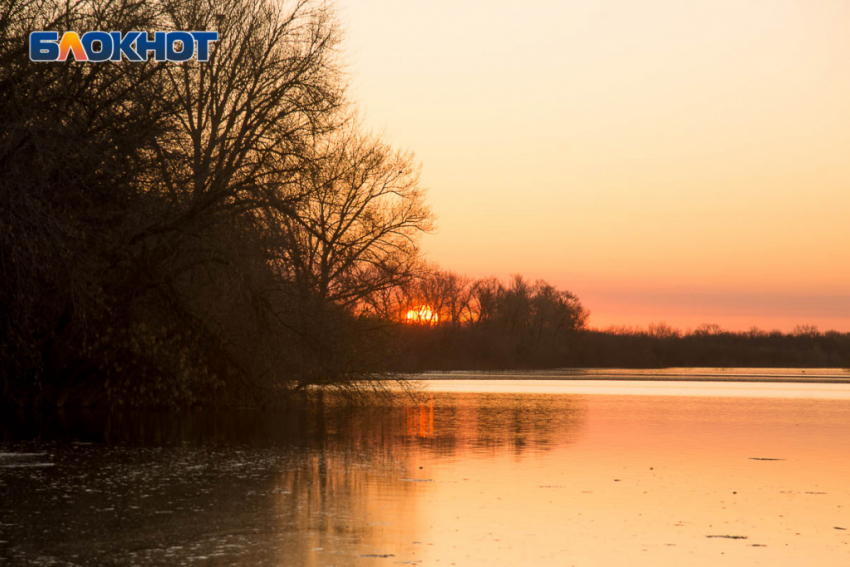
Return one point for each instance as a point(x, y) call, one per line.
point(471, 348)
point(711, 346)
point(491, 325)
point(455, 322)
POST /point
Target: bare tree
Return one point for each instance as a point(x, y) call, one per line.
point(139, 202)
point(72, 165)
point(356, 232)
point(241, 134)
point(246, 120)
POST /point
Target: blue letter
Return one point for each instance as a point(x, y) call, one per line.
point(105, 40)
point(124, 46)
point(144, 44)
point(43, 46)
point(204, 38)
point(188, 46)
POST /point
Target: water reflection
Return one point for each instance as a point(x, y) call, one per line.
point(534, 475)
point(324, 483)
point(419, 419)
point(518, 423)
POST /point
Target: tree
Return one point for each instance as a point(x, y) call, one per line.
point(242, 132)
point(145, 208)
point(355, 234)
point(351, 239)
point(73, 141)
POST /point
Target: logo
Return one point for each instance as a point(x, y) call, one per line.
point(100, 46)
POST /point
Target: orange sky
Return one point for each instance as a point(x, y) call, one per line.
point(673, 161)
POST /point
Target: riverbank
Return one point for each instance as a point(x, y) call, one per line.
point(778, 375)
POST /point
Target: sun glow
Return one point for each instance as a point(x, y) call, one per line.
point(422, 315)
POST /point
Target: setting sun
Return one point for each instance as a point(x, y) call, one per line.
point(422, 315)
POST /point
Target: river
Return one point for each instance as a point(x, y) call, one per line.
point(475, 470)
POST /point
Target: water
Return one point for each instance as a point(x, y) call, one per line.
point(474, 472)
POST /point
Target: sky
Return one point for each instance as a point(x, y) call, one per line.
point(666, 161)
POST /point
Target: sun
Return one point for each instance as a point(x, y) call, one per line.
point(422, 315)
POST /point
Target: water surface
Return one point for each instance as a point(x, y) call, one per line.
point(471, 473)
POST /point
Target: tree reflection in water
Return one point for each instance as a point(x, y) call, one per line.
point(246, 487)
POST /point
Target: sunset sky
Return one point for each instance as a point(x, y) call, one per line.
point(686, 162)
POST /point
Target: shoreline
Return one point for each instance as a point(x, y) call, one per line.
point(755, 375)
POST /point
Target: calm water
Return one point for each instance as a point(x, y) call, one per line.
point(474, 472)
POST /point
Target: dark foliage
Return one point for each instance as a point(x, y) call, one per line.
point(442, 348)
point(486, 324)
point(159, 221)
point(716, 348)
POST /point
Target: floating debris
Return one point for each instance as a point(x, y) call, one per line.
point(379, 555)
point(729, 536)
point(765, 459)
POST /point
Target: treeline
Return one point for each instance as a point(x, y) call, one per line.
point(455, 322)
point(441, 348)
point(458, 323)
point(711, 346)
point(193, 232)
